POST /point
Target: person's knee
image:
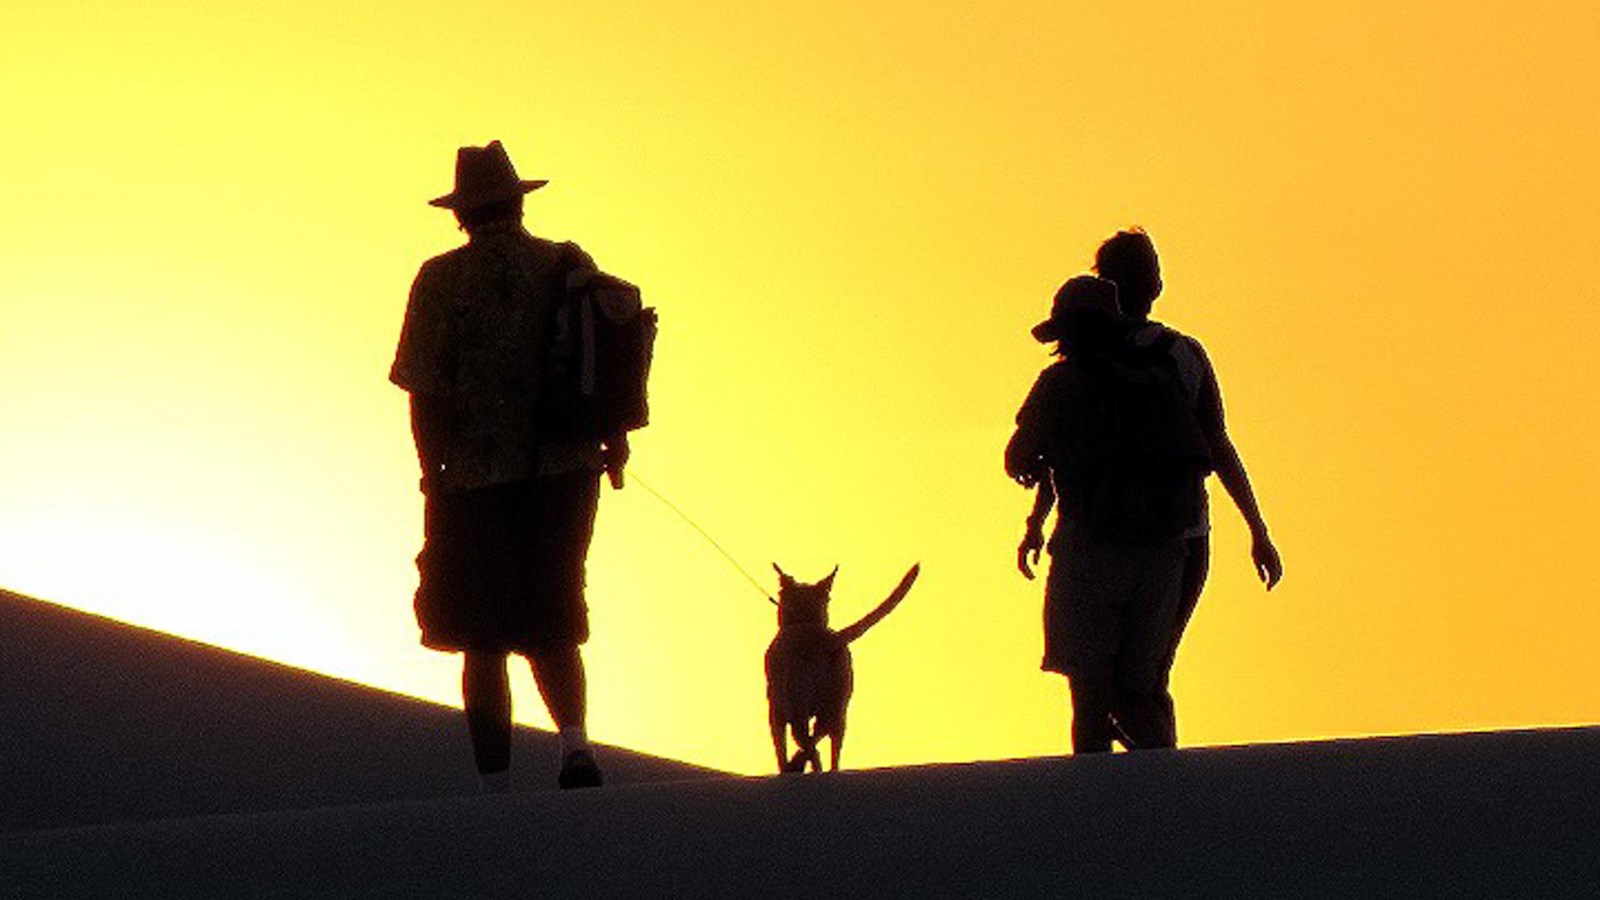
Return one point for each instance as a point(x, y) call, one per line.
point(482, 661)
point(1091, 691)
point(558, 671)
point(557, 659)
point(483, 676)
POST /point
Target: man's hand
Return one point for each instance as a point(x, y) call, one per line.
point(615, 453)
point(1029, 474)
point(1265, 556)
point(1032, 543)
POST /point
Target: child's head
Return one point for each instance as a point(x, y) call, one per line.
point(1085, 312)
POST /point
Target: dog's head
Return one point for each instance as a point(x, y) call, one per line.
point(799, 603)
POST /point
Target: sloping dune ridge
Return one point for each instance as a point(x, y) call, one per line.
point(138, 765)
point(104, 723)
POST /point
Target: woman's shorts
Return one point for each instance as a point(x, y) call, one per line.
point(1111, 610)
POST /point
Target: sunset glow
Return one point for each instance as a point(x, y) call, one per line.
point(1381, 221)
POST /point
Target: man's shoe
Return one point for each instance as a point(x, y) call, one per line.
point(578, 770)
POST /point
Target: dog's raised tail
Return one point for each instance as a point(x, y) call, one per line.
point(846, 635)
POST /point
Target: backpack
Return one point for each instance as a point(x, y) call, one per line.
point(1128, 455)
point(597, 367)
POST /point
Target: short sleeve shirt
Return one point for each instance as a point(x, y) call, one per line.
point(474, 337)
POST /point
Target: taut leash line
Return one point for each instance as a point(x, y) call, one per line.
point(703, 533)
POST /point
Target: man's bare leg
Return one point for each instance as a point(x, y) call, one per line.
point(562, 683)
point(486, 694)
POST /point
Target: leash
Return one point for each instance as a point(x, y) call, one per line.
point(703, 533)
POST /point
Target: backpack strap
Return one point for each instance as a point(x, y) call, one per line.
point(1163, 340)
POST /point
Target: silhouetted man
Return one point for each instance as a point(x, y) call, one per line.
point(1129, 260)
point(509, 505)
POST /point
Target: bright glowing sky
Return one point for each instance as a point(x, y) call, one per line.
point(1382, 222)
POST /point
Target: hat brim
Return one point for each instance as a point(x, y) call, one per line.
point(454, 200)
point(1047, 331)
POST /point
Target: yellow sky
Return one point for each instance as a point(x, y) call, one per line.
point(1381, 222)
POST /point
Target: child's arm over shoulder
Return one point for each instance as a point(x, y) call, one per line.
point(1025, 452)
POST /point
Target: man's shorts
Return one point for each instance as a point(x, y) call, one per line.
point(1110, 610)
point(502, 567)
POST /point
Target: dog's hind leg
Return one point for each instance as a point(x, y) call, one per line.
point(780, 744)
point(836, 745)
point(806, 737)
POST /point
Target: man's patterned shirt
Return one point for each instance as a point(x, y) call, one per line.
point(474, 337)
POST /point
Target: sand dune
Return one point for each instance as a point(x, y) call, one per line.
point(1492, 816)
point(209, 776)
point(101, 722)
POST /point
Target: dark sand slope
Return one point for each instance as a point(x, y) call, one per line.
point(1508, 815)
point(102, 722)
point(137, 765)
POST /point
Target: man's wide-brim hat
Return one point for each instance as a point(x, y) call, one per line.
point(484, 175)
point(1080, 294)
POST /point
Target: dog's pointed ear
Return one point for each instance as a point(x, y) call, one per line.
point(827, 583)
point(785, 580)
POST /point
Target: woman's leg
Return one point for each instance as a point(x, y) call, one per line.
point(1092, 730)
